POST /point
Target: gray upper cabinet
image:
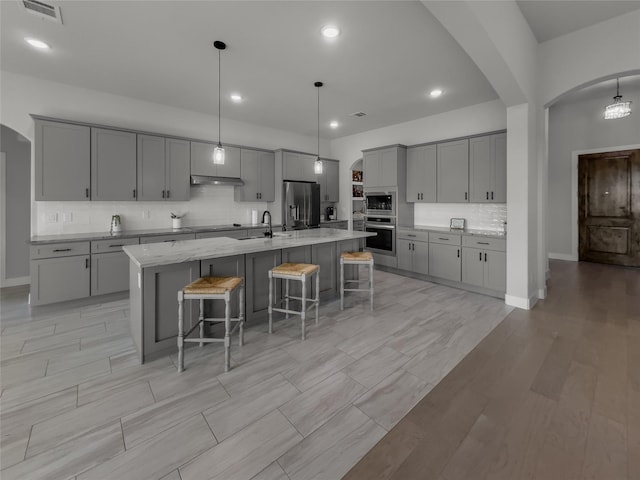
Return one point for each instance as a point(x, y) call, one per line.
point(453, 172)
point(113, 164)
point(202, 161)
point(62, 167)
point(381, 166)
point(488, 168)
point(257, 170)
point(421, 174)
point(330, 181)
point(163, 168)
point(298, 167)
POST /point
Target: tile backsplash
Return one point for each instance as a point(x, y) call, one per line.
point(481, 216)
point(209, 205)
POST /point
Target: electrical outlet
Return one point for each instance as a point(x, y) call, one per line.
point(67, 217)
point(51, 218)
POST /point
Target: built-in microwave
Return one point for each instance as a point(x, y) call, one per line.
point(380, 203)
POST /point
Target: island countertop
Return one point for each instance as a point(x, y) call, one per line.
point(156, 254)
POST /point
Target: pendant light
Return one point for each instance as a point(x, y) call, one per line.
point(218, 152)
point(317, 166)
point(618, 109)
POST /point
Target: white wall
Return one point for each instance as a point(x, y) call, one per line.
point(580, 126)
point(484, 117)
point(24, 95)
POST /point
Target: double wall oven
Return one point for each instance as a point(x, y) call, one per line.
point(381, 219)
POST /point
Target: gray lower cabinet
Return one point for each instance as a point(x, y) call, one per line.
point(484, 268)
point(324, 254)
point(61, 161)
point(358, 225)
point(222, 267)
point(257, 170)
point(113, 164)
point(109, 273)
point(453, 172)
point(257, 266)
point(160, 309)
point(168, 238)
point(445, 261)
point(421, 174)
point(344, 225)
point(60, 278)
point(413, 255)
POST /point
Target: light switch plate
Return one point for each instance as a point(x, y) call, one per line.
point(67, 217)
point(51, 217)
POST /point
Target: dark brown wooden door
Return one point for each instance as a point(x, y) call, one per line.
point(609, 207)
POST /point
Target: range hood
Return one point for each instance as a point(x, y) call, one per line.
point(210, 180)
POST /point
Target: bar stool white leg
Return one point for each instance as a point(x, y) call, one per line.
point(227, 329)
point(201, 320)
point(371, 285)
point(317, 293)
point(286, 298)
point(180, 332)
point(270, 302)
point(341, 284)
point(241, 314)
point(303, 313)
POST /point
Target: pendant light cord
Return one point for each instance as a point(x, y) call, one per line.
point(318, 123)
point(219, 118)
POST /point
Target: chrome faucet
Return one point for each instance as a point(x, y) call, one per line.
point(268, 233)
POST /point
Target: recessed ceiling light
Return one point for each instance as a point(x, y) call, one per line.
point(236, 97)
point(334, 124)
point(330, 31)
point(35, 43)
point(435, 93)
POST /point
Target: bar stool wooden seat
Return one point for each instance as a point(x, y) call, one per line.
point(301, 272)
point(211, 288)
point(356, 258)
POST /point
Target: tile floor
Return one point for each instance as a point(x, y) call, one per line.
point(75, 403)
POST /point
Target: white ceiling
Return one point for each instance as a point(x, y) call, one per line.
point(604, 90)
point(552, 18)
point(389, 56)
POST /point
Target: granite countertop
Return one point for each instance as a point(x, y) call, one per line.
point(466, 231)
point(78, 237)
point(155, 254)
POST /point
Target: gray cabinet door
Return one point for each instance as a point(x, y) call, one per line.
point(222, 267)
point(371, 168)
point(420, 252)
point(151, 167)
point(481, 170)
point(231, 167)
point(177, 170)
point(267, 176)
point(473, 266)
point(113, 164)
point(59, 279)
point(453, 172)
point(495, 270)
point(330, 181)
point(499, 145)
point(298, 167)
point(251, 175)
point(444, 261)
point(421, 174)
point(389, 167)
point(202, 159)
point(325, 255)
point(404, 254)
point(160, 309)
point(109, 273)
point(62, 155)
point(257, 266)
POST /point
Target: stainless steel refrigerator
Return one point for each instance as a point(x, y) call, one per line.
point(300, 205)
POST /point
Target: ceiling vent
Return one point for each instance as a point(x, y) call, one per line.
point(357, 114)
point(43, 10)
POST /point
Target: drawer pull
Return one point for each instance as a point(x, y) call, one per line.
point(409, 235)
point(119, 245)
point(485, 257)
point(483, 243)
point(62, 250)
point(480, 255)
point(440, 238)
point(458, 253)
point(86, 263)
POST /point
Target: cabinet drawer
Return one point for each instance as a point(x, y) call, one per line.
point(112, 244)
point(408, 234)
point(168, 238)
point(446, 238)
point(223, 233)
point(53, 250)
point(496, 244)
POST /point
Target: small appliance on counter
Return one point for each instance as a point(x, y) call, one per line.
point(116, 224)
point(176, 221)
point(331, 213)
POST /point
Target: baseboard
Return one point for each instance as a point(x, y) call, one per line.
point(542, 293)
point(521, 302)
point(563, 256)
point(15, 281)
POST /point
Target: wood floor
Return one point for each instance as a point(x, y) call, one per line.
point(551, 393)
point(75, 403)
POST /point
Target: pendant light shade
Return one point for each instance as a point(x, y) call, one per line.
point(317, 166)
point(618, 109)
point(218, 152)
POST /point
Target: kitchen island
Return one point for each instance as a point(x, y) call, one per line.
point(158, 270)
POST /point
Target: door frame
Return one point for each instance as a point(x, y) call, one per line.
point(574, 195)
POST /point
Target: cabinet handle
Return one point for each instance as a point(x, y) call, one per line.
point(260, 195)
point(162, 193)
point(465, 196)
point(418, 195)
point(440, 238)
point(491, 195)
point(86, 263)
point(483, 243)
point(134, 193)
point(485, 257)
point(168, 193)
point(480, 256)
point(409, 235)
point(118, 245)
point(487, 195)
point(86, 192)
point(62, 250)
point(458, 253)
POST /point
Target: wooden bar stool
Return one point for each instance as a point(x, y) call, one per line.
point(356, 258)
point(211, 288)
point(301, 272)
